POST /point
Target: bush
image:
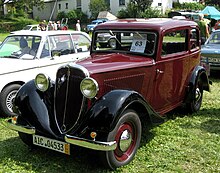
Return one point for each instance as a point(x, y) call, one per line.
point(14, 24)
point(188, 6)
point(151, 13)
point(73, 16)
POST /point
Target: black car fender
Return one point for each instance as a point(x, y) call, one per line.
point(105, 113)
point(34, 109)
point(199, 72)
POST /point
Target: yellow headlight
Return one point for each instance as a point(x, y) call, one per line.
point(89, 87)
point(42, 82)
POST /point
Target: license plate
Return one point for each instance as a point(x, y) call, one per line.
point(214, 60)
point(51, 144)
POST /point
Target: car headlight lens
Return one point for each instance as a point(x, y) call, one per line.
point(42, 82)
point(89, 87)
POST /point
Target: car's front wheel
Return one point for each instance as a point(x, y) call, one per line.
point(7, 97)
point(127, 134)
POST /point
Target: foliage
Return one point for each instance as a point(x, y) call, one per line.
point(192, 6)
point(141, 5)
point(130, 11)
point(183, 144)
point(73, 16)
point(22, 7)
point(213, 2)
point(96, 6)
point(137, 9)
point(151, 13)
point(61, 15)
point(15, 24)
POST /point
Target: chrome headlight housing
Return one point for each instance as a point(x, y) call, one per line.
point(89, 87)
point(42, 82)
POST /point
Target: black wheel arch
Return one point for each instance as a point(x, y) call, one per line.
point(199, 72)
point(104, 114)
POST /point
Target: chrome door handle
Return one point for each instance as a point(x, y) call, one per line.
point(159, 71)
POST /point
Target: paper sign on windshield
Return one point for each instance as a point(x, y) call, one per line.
point(138, 43)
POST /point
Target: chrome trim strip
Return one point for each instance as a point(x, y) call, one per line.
point(19, 128)
point(95, 145)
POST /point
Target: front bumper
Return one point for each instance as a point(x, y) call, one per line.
point(86, 143)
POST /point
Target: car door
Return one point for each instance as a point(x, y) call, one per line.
point(171, 71)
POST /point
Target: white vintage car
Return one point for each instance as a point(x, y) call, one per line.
point(25, 54)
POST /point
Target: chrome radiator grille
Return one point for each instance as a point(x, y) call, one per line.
point(68, 97)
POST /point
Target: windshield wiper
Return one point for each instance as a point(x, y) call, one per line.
point(11, 56)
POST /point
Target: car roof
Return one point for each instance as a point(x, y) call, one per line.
point(150, 24)
point(45, 33)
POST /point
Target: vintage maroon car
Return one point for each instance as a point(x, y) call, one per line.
point(103, 102)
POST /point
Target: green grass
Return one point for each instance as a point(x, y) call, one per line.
point(183, 144)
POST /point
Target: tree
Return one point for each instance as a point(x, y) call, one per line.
point(135, 9)
point(141, 5)
point(95, 6)
point(212, 2)
point(23, 6)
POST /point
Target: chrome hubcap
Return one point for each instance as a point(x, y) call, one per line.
point(10, 99)
point(198, 94)
point(125, 140)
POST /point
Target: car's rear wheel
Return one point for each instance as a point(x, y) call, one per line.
point(7, 97)
point(196, 101)
point(127, 134)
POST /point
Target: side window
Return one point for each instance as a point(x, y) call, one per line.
point(45, 52)
point(61, 45)
point(81, 42)
point(194, 38)
point(174, 42)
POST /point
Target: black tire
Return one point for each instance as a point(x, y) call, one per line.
point(26, 138)
point(196, 102)
point(128, 124)
point(112, 43)
point(103, 44)
point(6, 99)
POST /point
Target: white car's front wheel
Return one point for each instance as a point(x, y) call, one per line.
point(7, 97)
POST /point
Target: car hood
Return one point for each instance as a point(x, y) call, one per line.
point(114, 61)
point(9, 65)
point(211, 49)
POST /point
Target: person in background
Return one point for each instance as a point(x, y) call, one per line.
point(78, 28)
point(58, 25)
point(204, 30)
point(43, 25)
point(50, 26)
point(54, 24)
point(217, 25)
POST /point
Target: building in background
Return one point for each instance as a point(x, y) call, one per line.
point(55, 6)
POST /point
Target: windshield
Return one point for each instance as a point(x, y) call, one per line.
point(18, 46)
point(215, 38)
point(125, 41)
point(28, 27)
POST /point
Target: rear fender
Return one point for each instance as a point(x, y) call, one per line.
point(199, 72)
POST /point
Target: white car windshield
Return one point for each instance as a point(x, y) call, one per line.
point(18, 46)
